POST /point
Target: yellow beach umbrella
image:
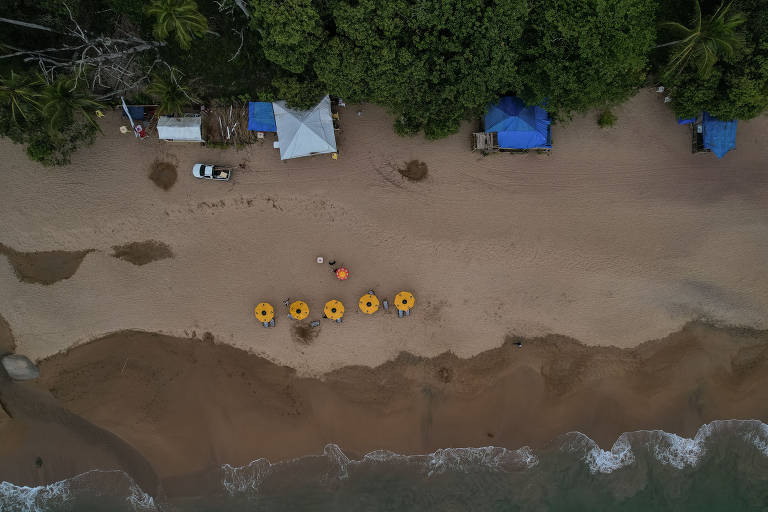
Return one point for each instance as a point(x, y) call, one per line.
point(334, 309)
point(404, 301)
point(299, 310)
point(264, 312)
point(369, 304)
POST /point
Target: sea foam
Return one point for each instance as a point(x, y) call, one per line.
point(21, 498)
point(249, 478)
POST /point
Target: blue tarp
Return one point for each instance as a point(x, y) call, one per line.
point(719, 136)
point(687, 120)
point(261, 118)
point(518, 126)
point(137, 113)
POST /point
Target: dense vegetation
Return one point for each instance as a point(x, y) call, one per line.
point(727, 72)
point(432, 63)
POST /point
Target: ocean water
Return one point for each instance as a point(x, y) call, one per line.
point(723, 468)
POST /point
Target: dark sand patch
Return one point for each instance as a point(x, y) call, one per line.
point(414, 170)
point(167, 396)
point(304, 333)
point(42, 442)
point(7, 341)
point(141, 253)
point(163, 174)
point(44, 267)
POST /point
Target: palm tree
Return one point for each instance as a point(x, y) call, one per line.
point(180, 17)
point(64, 98)
point(20, 93)
point(709, 39)
point(170, 93)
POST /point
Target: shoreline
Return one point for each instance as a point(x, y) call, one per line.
point(190, 405)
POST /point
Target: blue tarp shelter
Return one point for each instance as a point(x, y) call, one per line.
point(137, 113)
point(261, 117)
point(719, 136)
point(518, 126)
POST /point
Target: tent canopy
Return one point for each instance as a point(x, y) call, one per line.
point(304, 132)
point(179, 128)
point(719, 136)
point(518, 126)
point(261, 118)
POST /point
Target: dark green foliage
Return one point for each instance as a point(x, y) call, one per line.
point(222, 65)
point(171, 93)
point(738, 85)
point(607, 118)
point(46, 145)
point(432, 63)
point(708, 39)
point(291, 31)
point(298, 93)
point(582, 53)
point(66, 100)
point(52, 120)
point(178, 17)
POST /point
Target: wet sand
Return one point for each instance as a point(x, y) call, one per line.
point(190, 405)
point(42, 442)
point(44, 267)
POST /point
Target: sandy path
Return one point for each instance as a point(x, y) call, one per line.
point(618, 237)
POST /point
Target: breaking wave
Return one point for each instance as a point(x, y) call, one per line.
point(668, 449)
point(643, 470)
point(336, 465)
point(115, 488)
point(651, 446)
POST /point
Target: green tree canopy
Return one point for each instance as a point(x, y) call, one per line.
point(431, 62)
point(291, 31)
point(62, 101)
point(586, 53)
point(180, 17)
point(737, 86)
point(51, 120)
point(20, 93)
point(171, 94)
point(708, 39)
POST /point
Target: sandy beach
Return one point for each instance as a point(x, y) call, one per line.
point(618, 237)
point(629, 267)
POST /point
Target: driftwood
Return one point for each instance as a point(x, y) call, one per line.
point(104, 62)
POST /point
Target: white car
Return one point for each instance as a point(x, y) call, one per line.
point(211, 172)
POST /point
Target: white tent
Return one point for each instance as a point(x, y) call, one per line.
point(304, 132)
point(185, 128)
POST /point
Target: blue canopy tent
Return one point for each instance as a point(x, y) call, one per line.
point(518, 126)
point(261, 117)
point(719, 136)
